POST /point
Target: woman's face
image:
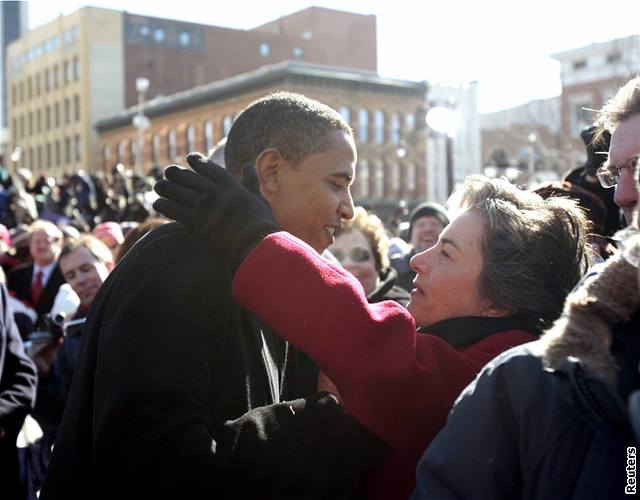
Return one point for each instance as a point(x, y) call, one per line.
point(447, 274)
point(353, 251)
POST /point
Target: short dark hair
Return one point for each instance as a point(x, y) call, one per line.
point(95, 247)
point(534, 249)
point(291, 123)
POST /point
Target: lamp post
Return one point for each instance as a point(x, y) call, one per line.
point(442, 119)
point(141, 122)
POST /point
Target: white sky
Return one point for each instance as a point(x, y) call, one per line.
point(503, 44)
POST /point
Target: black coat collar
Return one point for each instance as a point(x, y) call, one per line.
point(467, 330)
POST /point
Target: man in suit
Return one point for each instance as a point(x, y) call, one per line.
point(37, 284)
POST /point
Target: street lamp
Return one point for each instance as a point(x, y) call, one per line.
point(442, 119)
point(141, 122)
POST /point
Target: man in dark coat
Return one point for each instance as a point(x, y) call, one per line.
point(178, 393)
point(17, 396)
point(37, 284)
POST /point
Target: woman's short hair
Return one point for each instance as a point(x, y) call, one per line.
point(373, 230)
point(533, 248)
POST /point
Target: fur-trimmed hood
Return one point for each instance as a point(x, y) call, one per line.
point(584, 331)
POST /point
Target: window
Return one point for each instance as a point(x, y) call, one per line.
point(145, 30)
point(378, 122)
point(378, 180)
point(39, 157)
point(184, 38)
point(580, 64)
point(76, 107)
point(67, 150)
point(171, 145)
point(67, 36)
point(14, 131)
point(21, 126)
point(410, 178)
point(208, 135)
point(30, 123)
point(76, 68)
point(395, 128)
point(155, 149)
point(298, 52)
point(38, 84)
point(363, 179)
point(56, 115)
point(38, 121)
point(68, 72)
point(363, 126)
point(47, 119)
point(67, 110)
point(226, 125)
point(345, 112)
point(106, 155)
point(49, 159)
point(159, 35)
point(29, 87)
point(56, 76)
point(78, 148)
point(409, 121)
point(48, 79)
point(265, 49)
point(14, 94)
point(21, 92)
point(48, 46)
point(191, 138)
point(122, 151)
point(57, 153)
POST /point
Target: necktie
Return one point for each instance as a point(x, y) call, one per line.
point(36, 288)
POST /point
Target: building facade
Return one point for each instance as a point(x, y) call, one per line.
point(590, 76)
point(68, 74)
point(13, 22)
point(382, 112)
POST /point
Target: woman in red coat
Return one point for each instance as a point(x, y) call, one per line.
point(498, 274)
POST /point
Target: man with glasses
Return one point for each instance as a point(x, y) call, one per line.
point(621, 115)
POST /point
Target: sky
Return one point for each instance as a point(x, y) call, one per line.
point(503, 45)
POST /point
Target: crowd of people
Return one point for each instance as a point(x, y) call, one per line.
point(280, 342)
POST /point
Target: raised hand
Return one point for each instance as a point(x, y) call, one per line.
point(234, 218)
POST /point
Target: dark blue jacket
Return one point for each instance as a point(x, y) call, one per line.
point(519, 431)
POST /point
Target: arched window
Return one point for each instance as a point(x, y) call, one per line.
point(172, 151)
point(191, 138)
point(208, 135)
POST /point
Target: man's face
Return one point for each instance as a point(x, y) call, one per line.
point(44, 248)
point(425, 232)
point(625, 145)
point(84, 273)
point(314, 195)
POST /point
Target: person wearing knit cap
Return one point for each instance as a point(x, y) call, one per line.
point(426, 222)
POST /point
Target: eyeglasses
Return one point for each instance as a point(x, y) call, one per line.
point(609, 175)
point(356, 255)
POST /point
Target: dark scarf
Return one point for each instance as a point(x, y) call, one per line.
point(467, 330)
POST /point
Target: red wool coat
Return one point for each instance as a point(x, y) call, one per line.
point(397, 382)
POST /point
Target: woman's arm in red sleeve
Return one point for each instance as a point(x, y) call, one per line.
point(398, 383)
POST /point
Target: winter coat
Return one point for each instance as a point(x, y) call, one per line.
point(17, 395)
point(399, 383)
point(177, 391)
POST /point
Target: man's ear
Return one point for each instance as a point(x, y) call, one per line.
point(269, 166)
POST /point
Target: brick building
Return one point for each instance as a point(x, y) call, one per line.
point(69, 73)
point(382, 112)
point(590, 75)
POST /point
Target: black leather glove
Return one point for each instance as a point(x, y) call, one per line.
point(233, 217)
